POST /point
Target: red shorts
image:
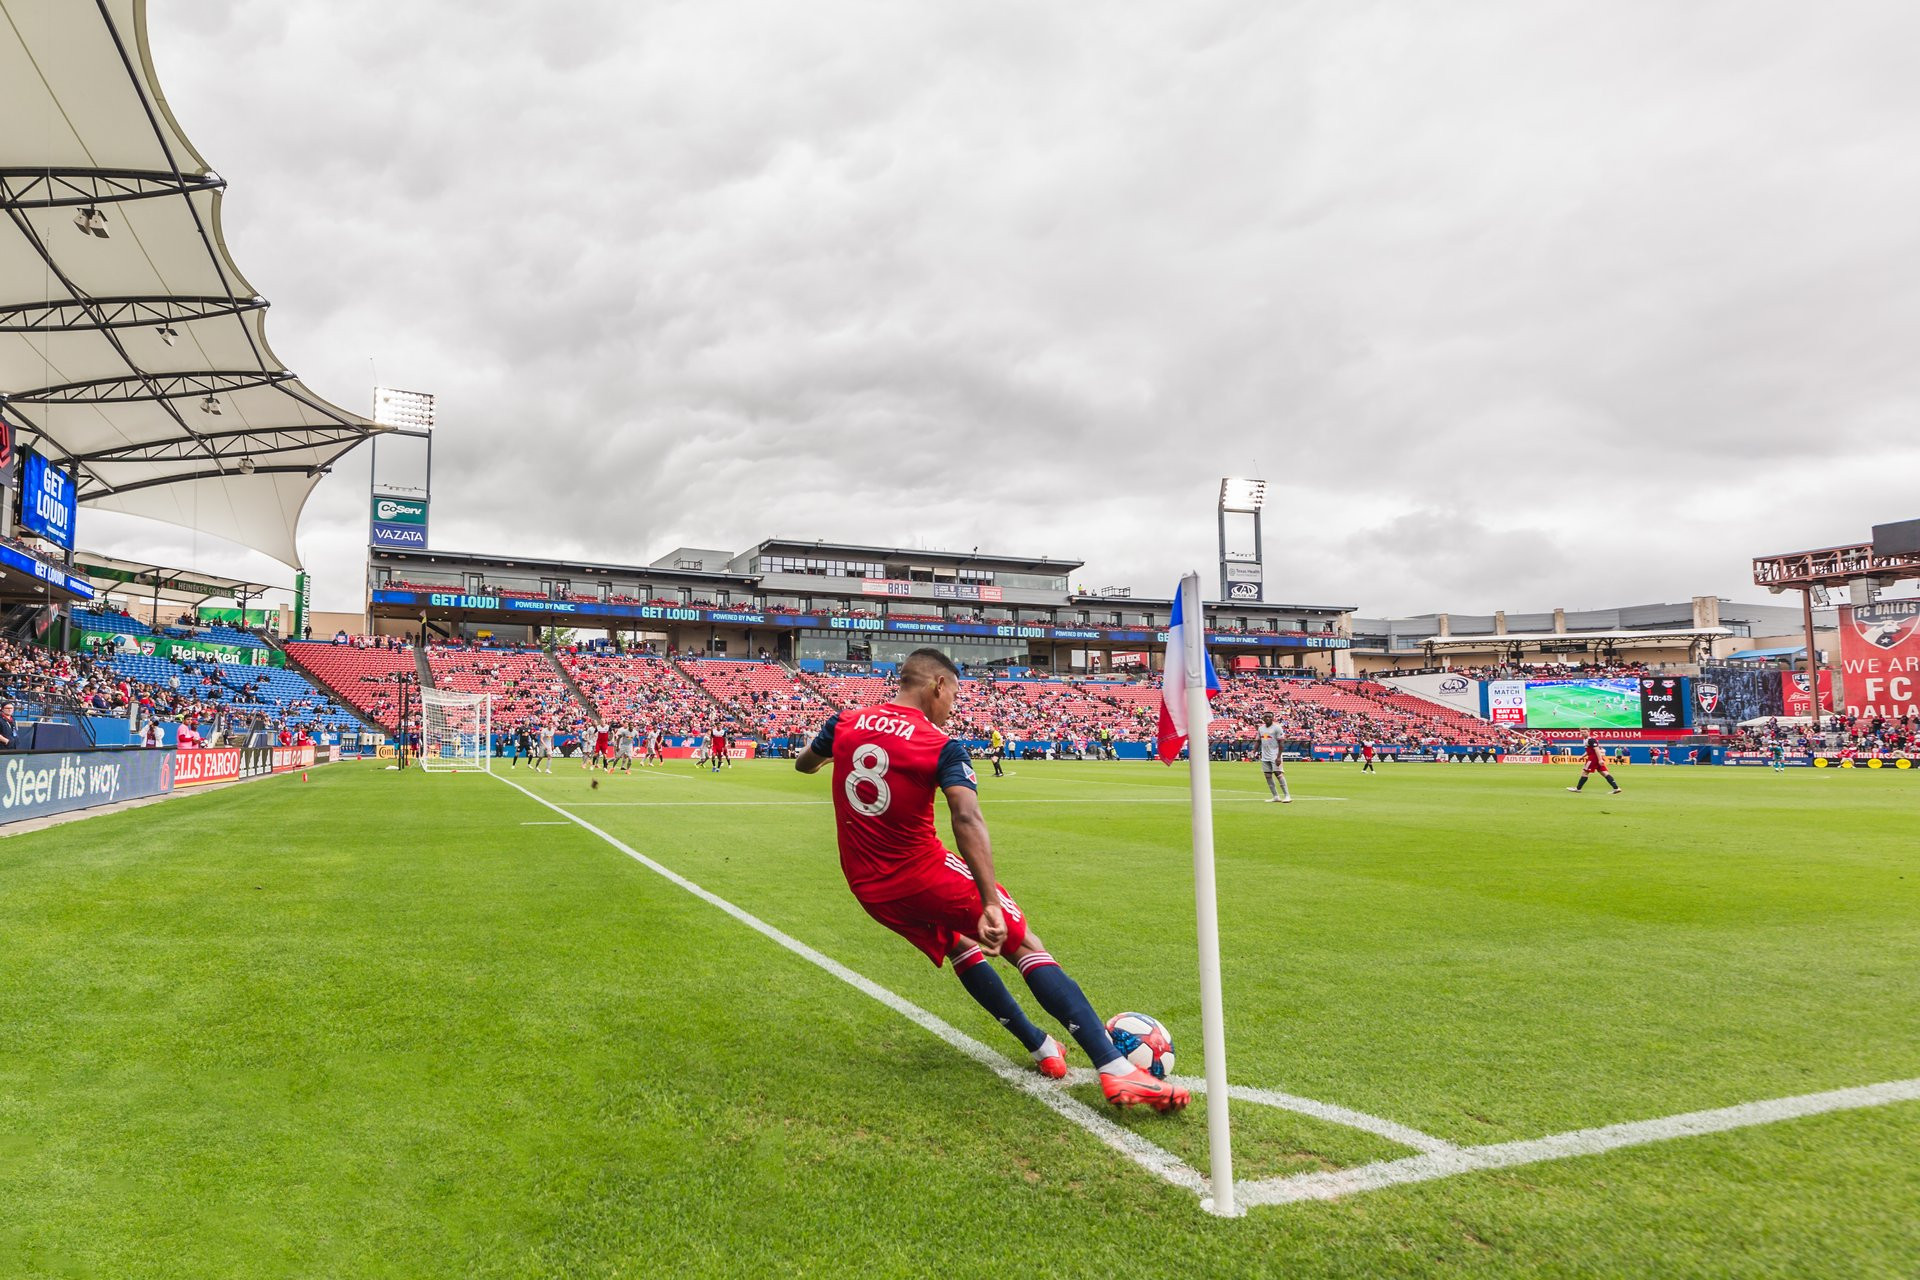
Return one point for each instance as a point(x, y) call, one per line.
point(1595, 767)
point(934, 918)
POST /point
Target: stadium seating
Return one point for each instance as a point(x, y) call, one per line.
point(641, 690)
point(766, 698)
point(281, 697)
point(113, 621)
point(364, 677)
point(525, 687)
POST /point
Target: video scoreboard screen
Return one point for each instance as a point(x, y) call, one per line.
point(1656, 703)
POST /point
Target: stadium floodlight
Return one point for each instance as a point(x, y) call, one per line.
point(1241, 494)
point(405, 410)
point(246, 464)
point(1242, 577)
point(168, 334)
point(91, 222)
point(211, 405)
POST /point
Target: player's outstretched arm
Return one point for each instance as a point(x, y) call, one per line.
point(976, 848)
point(820, 750)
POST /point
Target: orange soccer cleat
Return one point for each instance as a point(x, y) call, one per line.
point(1051, 1060)
point(1137, 1087)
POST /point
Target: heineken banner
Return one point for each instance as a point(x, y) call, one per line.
point(185, 650)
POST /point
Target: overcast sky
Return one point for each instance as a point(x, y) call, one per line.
point(1516, 304)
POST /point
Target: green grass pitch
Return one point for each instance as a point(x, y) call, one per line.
point(388, 1024)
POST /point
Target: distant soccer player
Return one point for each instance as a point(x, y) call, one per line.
point(622, 748)
point(888, 761)
point(1777, 753)
point(1366, 758)
point(716, 746)
point(545, 748)
point(1595, 763)
point(602, 746)
point(1272, 768)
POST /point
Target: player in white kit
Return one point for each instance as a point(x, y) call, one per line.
point(1272, 768)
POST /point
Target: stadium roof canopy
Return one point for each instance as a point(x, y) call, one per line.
point(131, 347)
point(130, 579)
point(913, 555)
point(1760, 655)
point(1666, 635)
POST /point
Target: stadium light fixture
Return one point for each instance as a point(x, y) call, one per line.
point(405, 410)
point(246, 464)
point(211, 405)
point(91, 222)
point(168, 334)
point(1241, 494)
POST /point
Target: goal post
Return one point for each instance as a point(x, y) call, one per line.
point(456, 731)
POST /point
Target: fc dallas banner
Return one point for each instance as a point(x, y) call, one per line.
point(1793, 692)
point(1880, 654)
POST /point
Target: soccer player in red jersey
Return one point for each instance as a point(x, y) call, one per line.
point(1366, 757)
point(1595, 763)
point(888, 761)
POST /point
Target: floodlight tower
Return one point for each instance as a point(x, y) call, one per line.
point(1242, 576)
point(399, 508)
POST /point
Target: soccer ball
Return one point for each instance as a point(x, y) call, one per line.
point(1142, 1041)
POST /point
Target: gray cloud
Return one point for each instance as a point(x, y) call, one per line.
point(1479, 290)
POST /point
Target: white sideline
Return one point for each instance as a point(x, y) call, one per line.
point(1577, 1142)
point(1155, 1160)
point(998, 801)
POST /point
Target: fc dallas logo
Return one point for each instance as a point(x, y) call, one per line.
point(1887, 626)
point(1708, 695)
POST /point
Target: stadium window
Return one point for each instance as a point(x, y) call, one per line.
point(1113, 620)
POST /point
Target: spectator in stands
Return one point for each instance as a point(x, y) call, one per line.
point(8, 731)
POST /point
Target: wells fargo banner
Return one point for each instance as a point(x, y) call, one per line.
point(196, 767)
point(1880, 657)
point(199, 766)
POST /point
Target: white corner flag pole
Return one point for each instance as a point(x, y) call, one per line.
point(1213, 1030)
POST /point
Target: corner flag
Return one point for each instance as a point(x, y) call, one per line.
point(1173, 678)
point(1185, 706)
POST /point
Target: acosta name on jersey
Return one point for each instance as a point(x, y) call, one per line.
point(885, 724)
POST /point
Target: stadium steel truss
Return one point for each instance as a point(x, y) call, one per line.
point(132, 351)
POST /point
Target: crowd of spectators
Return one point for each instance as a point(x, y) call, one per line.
point(203, 701)
point(1863, 736)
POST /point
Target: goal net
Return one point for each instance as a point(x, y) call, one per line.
point(456, 731)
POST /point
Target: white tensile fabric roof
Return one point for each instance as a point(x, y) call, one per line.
point(110, 346)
